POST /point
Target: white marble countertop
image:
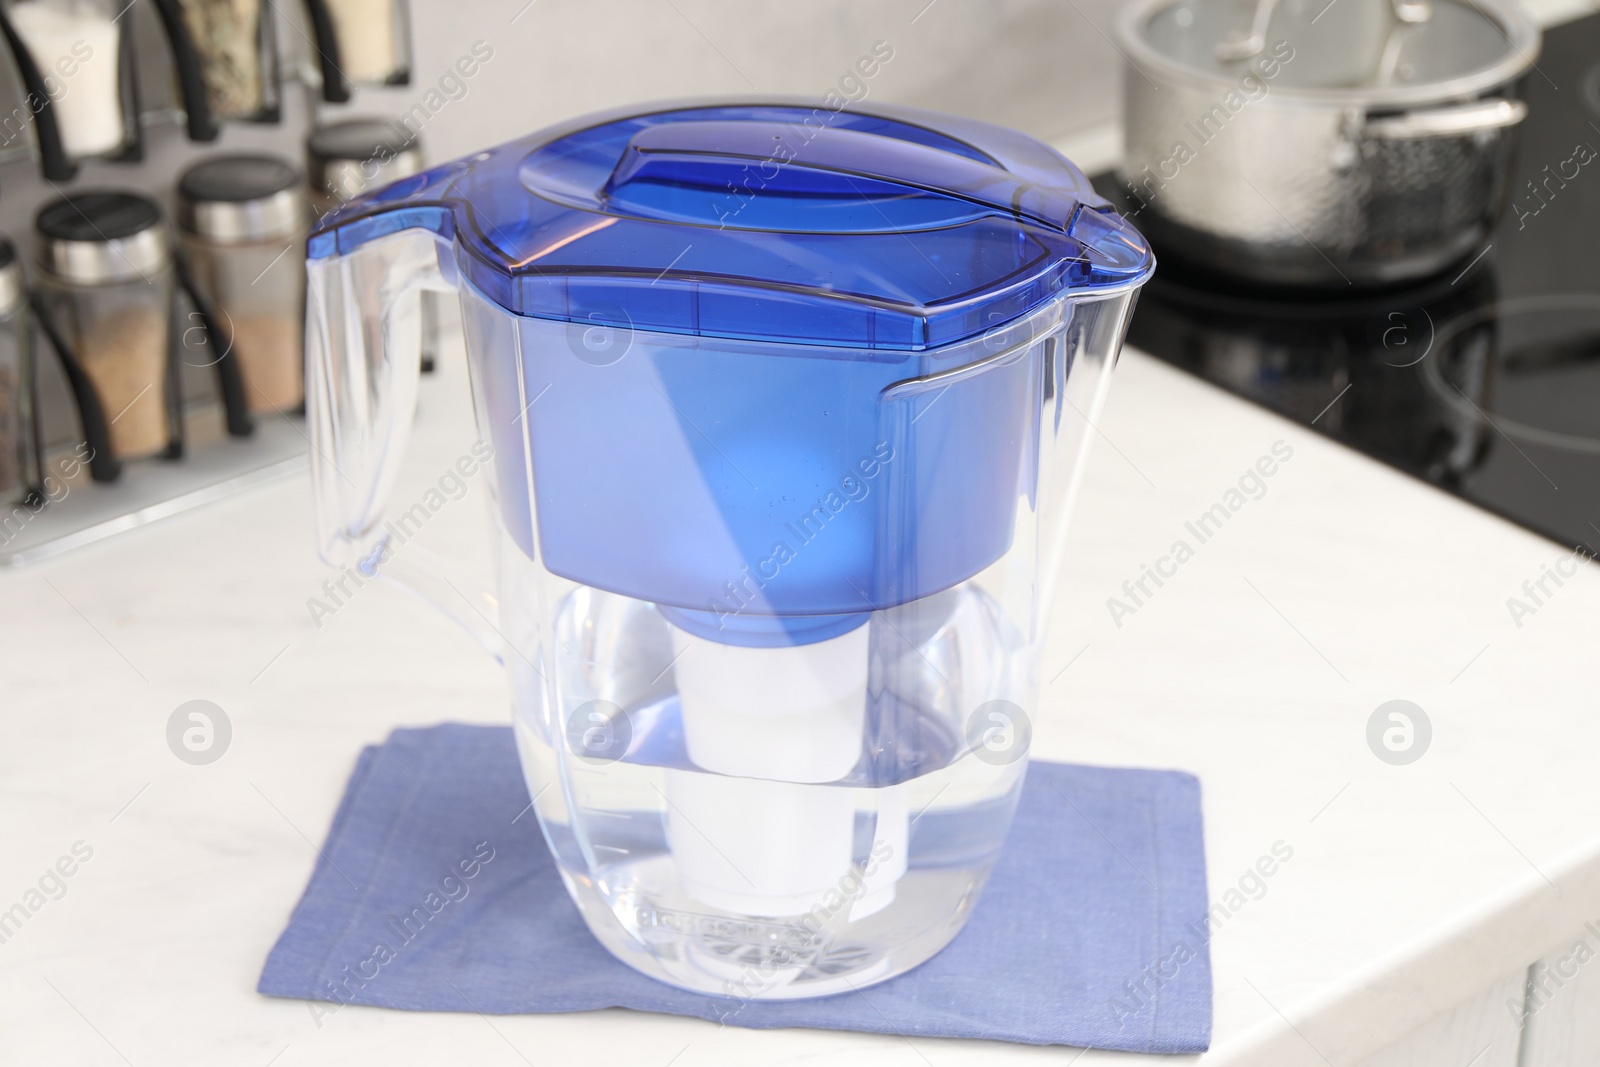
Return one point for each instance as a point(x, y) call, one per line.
point(1256, 667)
point(1346, 585)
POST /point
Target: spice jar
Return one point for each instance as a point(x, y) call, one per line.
point(21, 475)
point(242, 220)
point(226, 56)
point(105, 285)
point(76, 59)
point(238, 56)
point(345, 159)
point(361, 41)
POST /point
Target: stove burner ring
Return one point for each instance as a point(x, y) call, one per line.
point(1451, 395)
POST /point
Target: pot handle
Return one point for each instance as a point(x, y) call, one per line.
point(1457, 120)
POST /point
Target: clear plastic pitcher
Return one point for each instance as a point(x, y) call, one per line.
point(786, 407)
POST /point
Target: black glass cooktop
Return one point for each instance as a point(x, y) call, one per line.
point(1484, 381)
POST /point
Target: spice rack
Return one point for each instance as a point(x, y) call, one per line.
point(215, 459)
point(83, 512)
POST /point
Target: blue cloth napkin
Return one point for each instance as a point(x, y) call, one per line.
point(435, 892)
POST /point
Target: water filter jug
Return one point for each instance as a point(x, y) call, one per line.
point(786, 407)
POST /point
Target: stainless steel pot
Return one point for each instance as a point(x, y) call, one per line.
point(1322, 144)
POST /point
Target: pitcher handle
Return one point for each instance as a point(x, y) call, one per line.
point(363, 350)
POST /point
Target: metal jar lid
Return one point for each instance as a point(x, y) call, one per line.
point(345, 159)
point(13, 288)
point(1372, 54)
point(97, 237)
point(240, 198)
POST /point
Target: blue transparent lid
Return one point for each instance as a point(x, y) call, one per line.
point(888, 228)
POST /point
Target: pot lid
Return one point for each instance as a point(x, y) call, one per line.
point(1357, 52)
point(883, 229)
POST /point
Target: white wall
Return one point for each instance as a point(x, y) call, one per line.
point(1040, 65)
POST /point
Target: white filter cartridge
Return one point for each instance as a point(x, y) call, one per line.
point(757, 847)
point(762, 834)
